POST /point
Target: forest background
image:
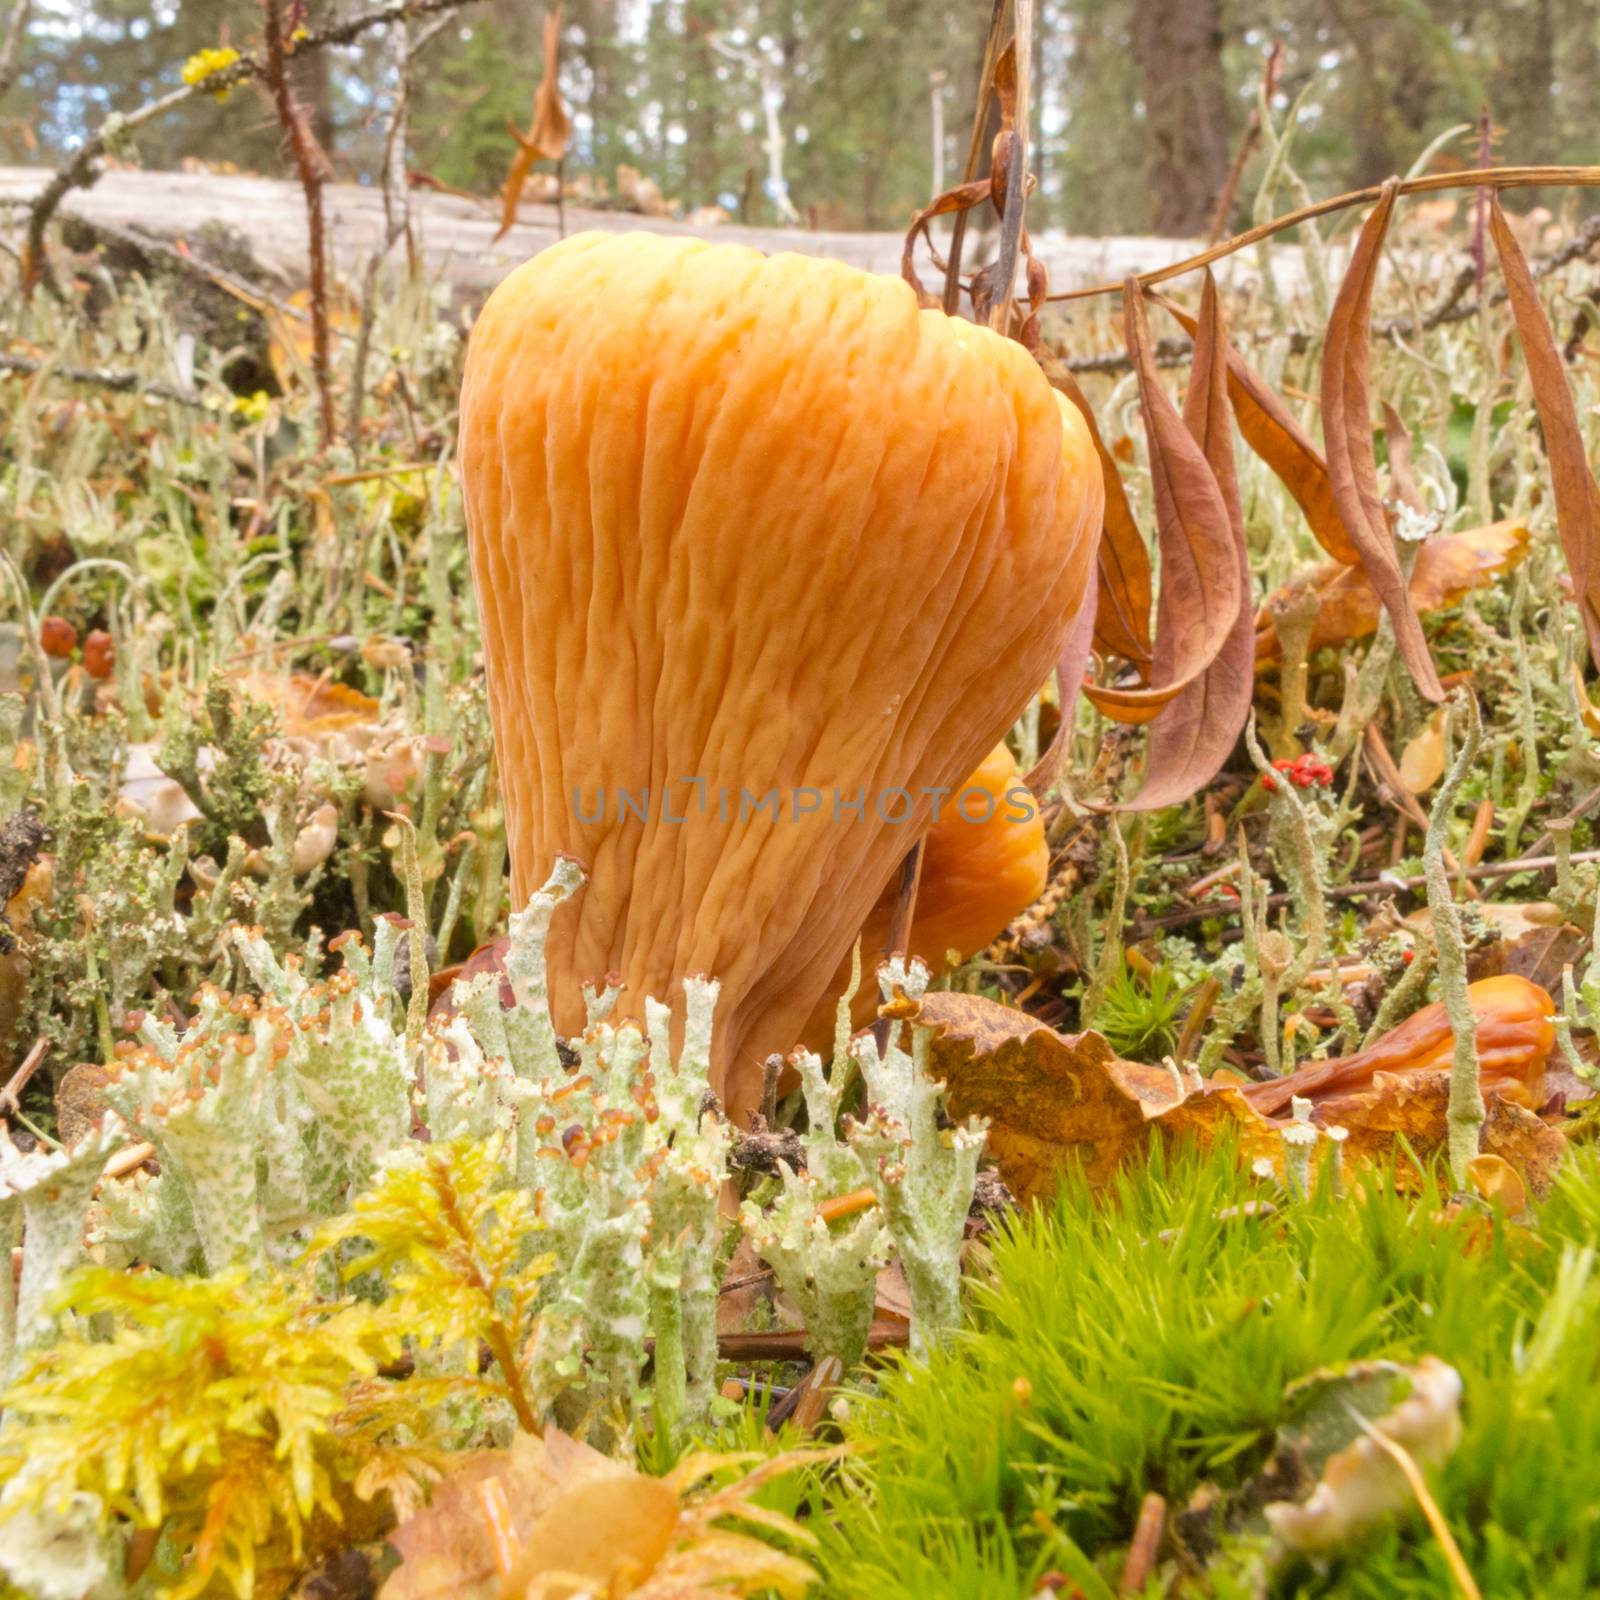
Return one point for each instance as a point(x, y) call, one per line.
point(1139, 105)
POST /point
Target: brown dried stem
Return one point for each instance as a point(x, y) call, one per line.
point(1429, 183)
point(11, 47)
point(1011, 222)
point(312, 165)
point(980, 120)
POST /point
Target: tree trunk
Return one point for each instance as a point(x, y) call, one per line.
point(1179, 46)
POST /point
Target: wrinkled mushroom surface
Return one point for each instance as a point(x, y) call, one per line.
point(744, 524)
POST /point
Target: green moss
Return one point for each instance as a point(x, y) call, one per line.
point(1143, 1344)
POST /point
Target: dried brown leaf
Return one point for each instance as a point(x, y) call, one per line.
point(1576, 495)
point(961, 198)
point(547, 139)
point(1055, 1101)
point(1413, 1108)
point(1422, 761)
point(1402, 476)
point(1449, 566)
point(1124, 591)
point(1202, 584)
point(1193, 734)
point(1271, 431)
point(1514, 1035)
point(1352, 461)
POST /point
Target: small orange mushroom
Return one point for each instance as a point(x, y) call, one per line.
point(765, 555)
point(1515, 1035)
point(983, 861)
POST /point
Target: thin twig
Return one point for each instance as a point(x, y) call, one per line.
point(11, 49)
point(81, 169)
point(312, 166)
point(980, 120)
point(1369, 888)
point(1418, 1485)
point(1428, 183)
point(118, 382)
point(1450, 308)
point(1576, 814)
point(396, 210)
point(1011, 224)
point(11, 1095)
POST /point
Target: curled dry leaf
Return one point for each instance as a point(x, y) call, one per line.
point(1422, 760)
point(1352, 462)
point(984, 286)
point(1576, 495)
point(1334, 1416)
point(1403, 1115)
point(547, 139)
point(1124, 592)
point(1193, 735)
point(552, 1519)
point(1269, 428)
point(1448, 567)
point(1055, 1101)
point(1402, 476)
point(1515, 1036)
point(1202, 575)
point(1497, 1181)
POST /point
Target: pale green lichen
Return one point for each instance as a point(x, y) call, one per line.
point(828, 1265)
point(44, 1196)
point(1465, 1116)
point(922, 1173)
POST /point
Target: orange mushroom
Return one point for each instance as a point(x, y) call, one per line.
point(984, 861)
point(765, 557)
point(1514, 1037)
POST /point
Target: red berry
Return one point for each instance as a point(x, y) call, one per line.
point(57, 637)
point(99, 654)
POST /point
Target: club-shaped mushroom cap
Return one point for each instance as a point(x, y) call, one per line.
point(764, 555)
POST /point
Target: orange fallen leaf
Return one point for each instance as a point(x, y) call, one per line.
point(1422, 760)
point(1515, 1036)
point(1409, 1110)
point(1347, 439)
point(307, 705)
point(568, 1521)
point(1056, 1100)
point(1449, 567)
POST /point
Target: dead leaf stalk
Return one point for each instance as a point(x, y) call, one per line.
point(311, 165)
point(1466, 1112)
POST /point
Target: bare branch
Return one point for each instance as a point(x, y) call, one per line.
point(81, 170)
point(396, 209)
point(102, 378)
point(312, 165)
point(11, 48)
